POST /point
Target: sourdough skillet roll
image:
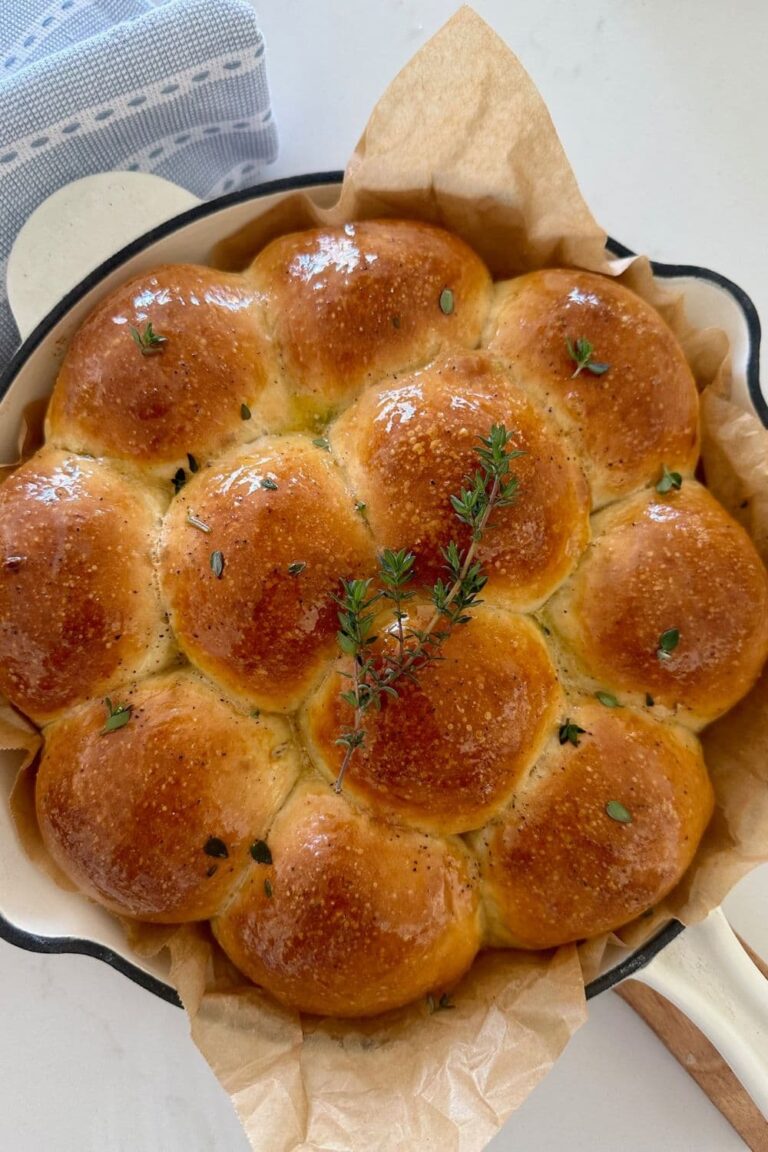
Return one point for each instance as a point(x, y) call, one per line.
point(254, 549)
point(155, 819)
point(670, 602)
point(446, 754)
point(634, 417)
point(352, 916)
point(407, 444)
point(79, 607)
point(597, 833)
point(346, 306)
point(161, 369)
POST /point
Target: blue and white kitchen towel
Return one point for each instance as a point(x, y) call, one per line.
point(175, 87)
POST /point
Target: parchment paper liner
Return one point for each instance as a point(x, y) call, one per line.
point(462, 138)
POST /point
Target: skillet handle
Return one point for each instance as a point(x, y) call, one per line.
point(78, 227)
point(706, 973)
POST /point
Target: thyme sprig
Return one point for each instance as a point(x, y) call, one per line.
point(148, 341)
point(375, 674)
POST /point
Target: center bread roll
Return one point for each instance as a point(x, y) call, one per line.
point(360, 799)
point(448, 751)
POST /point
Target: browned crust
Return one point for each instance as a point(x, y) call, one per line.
point(448, 752)
point(353, 917)
point(127, 814)
point(263, 629)
point(642, 413)
point(79, 610)
point(408, 445)
point(557, 867)
point(346, 306)
point(182, 397)
point(661, 563)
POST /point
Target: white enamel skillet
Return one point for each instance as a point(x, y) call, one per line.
point(84, 241)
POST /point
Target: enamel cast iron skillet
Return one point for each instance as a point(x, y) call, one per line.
point(704, 971)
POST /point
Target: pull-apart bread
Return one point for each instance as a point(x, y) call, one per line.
point(222, 450)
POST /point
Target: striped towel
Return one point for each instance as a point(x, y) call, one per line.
point(176, 87)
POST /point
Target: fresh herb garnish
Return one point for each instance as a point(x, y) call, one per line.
point(446, 301)
point(569, 733)
point(178, 480)
point(118, 715)
point(360, 506)
point(216, 848)
point(607, 700)
point(260, 852)
point(618, 812)
point(148, 341)
point(297, 567)
point(649, 701)
point(669, 480)
point(193, 464)
point(444, 1004)
point(668, 641)
point(245, 412)
point(217, 564)
point(269, 484)
point(489, 488)
point(322, 442)
point(268, 888)
point(581, 352)
point(196, 522)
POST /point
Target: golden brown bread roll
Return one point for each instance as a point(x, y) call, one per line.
point(598, 833)
point(352, 917)
point(285, 530)
point(448, 752)
point(156, 819)
point(346, 306)
point(639, 414)
point(415, 436)
point(157, 404)
point(674, 566)
point(188, 806)
point(79, 609)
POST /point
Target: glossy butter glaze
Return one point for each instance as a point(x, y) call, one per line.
point(661, 563)
point(448, 751)
point(79, 610)
point(408, 446)
point(353, 917)
point(641, 413)
point(129, 814)
point(265, 628)
point(556, 860)
point(184, 396)
point(345, 306)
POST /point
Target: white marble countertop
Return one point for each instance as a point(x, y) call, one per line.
point(663, 110)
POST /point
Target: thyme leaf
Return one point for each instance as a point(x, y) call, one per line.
point(118, 716)
point(581, 352)
point(668, 641)
point(669, 481)
point(569, 733)
point(149, 342)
